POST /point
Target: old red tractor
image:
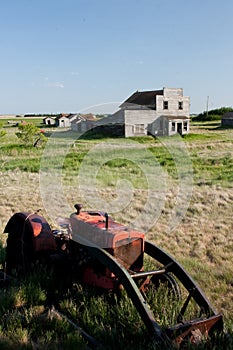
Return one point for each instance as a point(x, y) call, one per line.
point(109, 255)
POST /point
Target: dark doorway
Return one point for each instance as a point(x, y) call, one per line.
point(179, 128)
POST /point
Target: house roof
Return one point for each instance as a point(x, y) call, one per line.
point(88, 116)
point(62, 115)
point(84, 118)
point(227, 115)
point(144, 98)
point(45, 118)
point(72, 116)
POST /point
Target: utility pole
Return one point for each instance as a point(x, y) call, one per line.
point(207, 107)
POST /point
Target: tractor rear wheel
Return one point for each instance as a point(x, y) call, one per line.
point(30, 240)
point(19, 249)
point(168, 281)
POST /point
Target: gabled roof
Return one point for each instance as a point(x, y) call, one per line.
point(48, 117)
point(144, 98)
point(84, 118)
point(62, 115)
point(227, 115)
point(88, 116)
point(72, 116)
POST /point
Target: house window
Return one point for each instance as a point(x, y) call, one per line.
point(173, 126)
point(185, 126)
point(139, 129)
point(165, 104)
point(180, 104)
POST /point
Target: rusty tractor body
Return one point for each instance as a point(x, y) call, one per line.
point(109, 255)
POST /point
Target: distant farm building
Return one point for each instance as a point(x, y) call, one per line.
point(64, 120)
point(227, 119)
point(162, 112)
point(49, 120)
point(83, 122)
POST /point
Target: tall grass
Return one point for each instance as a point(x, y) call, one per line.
point(112, 320)
point(202, 243)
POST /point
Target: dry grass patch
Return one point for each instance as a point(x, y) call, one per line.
point(203, 240)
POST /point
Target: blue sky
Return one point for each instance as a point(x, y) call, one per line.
point(68, 55)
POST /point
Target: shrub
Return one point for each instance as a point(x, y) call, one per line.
point(30, 134)
point(214, 114)
point(2, 133)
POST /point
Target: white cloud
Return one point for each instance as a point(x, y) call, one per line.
point(55, 85)
point(48, 84)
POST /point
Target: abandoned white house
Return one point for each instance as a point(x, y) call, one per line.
point(64, 120)
point(83, 122)
point(49, 120)
point(227, 119)
point(162, 112)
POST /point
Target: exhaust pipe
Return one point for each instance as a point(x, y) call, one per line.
point(106, 220)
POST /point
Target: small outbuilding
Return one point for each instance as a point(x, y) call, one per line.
point(227, 119)
point(83, 122)
point(64, 120)
point(49, 120)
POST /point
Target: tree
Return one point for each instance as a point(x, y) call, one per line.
point(213, 114)
point(30, 134)
point(2, 133)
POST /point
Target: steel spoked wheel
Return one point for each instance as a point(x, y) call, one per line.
point(163, 295)
point(168, 281)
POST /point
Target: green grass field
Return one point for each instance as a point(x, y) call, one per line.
point(202, 241)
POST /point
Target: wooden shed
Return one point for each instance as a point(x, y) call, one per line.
point(227, 119)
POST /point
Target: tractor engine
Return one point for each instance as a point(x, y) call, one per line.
point(31, 241)
point(95, 229)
